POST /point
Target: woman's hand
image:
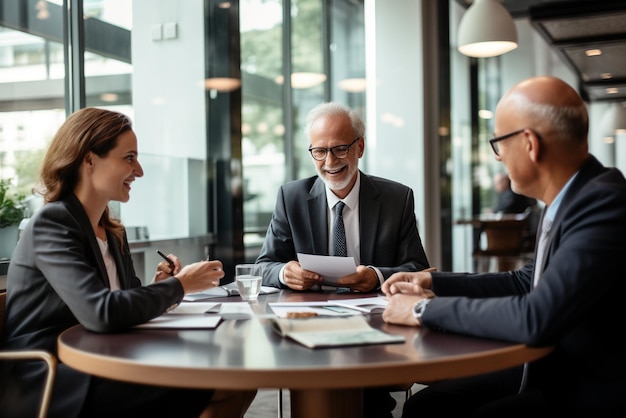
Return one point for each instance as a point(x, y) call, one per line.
point(200, 276)
point(164, 270)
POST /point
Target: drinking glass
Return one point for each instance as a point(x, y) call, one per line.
point(248, 278)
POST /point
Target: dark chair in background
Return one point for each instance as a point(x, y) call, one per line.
point(507, 239)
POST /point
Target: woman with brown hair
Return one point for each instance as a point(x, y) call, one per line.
point(72, 265)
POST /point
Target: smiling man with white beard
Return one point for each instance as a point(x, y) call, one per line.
point(378, 214)
point(378, 218)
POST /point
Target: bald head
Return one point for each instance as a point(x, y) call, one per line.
point(546, 90)
point(550, 122)
point(550, 106)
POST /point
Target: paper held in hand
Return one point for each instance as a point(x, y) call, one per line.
point(319, 332)
point(330, 267)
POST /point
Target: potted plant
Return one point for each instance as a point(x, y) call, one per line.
point(11, 214)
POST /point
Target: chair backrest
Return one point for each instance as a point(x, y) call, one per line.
point(503, 237)
point(29, 355)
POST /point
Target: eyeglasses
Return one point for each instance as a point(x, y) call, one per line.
point(494, 141)
point(340, 151)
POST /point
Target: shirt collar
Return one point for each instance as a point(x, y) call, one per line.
point(554, 207)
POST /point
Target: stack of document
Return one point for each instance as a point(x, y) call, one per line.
point(333, 332)
point(229, 289)
point(335, 307)
point(199, 315)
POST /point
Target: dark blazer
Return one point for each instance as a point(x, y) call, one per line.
point(511, 202)
point(57, 279)
point(388, 231)
point(577, 305)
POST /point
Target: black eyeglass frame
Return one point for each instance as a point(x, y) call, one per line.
point(493, 141)
point(333, 149)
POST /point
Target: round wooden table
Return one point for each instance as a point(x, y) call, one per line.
point(248, 354)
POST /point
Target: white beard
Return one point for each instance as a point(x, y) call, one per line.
point(338, 184)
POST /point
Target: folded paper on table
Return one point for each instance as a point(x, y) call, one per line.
point(229, 289)
point(332, 332)
point(182, 321)
point(375, 304)
point(321, 308)
point(198, 308)
point(330, 267)
point(234, 310)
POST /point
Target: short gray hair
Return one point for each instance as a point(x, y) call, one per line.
point(335, 109)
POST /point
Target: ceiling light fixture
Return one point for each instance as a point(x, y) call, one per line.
point(353, 85)
point(303, 80)
point(486, 30)
point(222, 84)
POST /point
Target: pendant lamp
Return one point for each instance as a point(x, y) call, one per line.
point(486, 30)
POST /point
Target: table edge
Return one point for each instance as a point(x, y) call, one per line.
point(301, 378)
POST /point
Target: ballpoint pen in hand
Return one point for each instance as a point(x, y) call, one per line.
point(169, 262)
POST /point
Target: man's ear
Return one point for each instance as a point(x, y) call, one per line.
point(534, 146)
point(361, 147)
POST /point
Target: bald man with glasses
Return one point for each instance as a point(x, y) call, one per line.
point(570, 296)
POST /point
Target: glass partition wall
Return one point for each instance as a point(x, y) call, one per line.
point(217, 91)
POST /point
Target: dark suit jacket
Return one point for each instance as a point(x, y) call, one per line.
point(57, 279)
point(511, 202)
point(577, 305)
point(388, 231)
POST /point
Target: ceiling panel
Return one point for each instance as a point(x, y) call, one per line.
point(574, 28)
point(571, 27)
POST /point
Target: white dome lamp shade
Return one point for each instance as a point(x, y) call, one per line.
point(486, 30)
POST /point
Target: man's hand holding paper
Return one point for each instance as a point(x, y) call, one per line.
point(330, 269)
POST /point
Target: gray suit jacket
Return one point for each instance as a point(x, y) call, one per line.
point(57, 279)
point(388, 231)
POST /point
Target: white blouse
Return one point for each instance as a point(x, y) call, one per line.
point(109, 262)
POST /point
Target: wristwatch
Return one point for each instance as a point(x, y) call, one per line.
point(419, 308)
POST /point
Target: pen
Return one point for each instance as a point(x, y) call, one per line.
point(169, 261)
point(429, 269)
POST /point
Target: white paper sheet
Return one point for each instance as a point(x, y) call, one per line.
point(329, 308)
point(181, 321)
point(331, 267)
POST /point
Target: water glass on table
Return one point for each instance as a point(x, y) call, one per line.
point(248, 278)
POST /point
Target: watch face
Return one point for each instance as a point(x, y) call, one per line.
point(418, 309)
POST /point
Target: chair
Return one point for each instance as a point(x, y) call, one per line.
point(507, 240)
point(29, 355)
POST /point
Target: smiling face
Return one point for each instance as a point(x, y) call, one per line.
point(113, 174)
point(339, 174)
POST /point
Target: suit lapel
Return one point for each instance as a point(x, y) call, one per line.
point(590, 169)
point(318, 214)
point(93, 246)
point(369, 215)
